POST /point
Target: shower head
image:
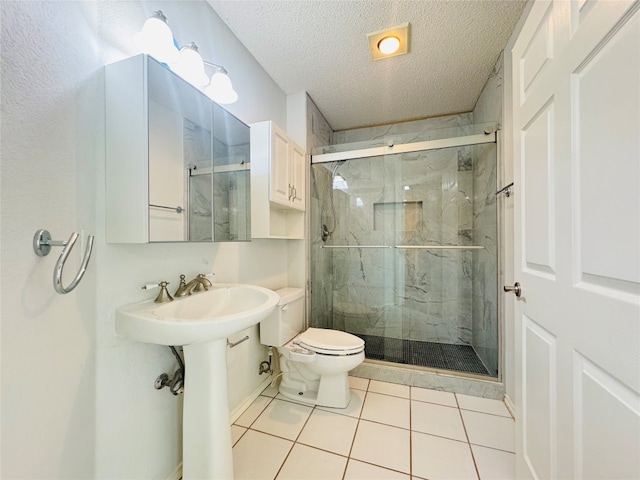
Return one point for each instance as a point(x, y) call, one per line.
point(336, 166)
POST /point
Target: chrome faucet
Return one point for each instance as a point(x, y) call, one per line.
point(198, 284)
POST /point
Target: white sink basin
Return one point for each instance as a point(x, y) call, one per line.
point(201, 323)
point(221, 311)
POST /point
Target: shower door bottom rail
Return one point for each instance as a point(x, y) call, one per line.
point(417, 247)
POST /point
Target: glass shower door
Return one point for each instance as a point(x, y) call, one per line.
point(409, 260)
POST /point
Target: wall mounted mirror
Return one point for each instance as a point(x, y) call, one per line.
point(177, 163)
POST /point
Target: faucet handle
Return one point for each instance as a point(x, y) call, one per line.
point(181, 287)
point(164, 295)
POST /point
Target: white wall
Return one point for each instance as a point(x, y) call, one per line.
point(78, 401)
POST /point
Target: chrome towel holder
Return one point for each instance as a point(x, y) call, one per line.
point(42, 244)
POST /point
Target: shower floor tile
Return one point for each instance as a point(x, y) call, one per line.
point(460, 358)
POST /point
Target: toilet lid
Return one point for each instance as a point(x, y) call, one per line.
point(332, 342)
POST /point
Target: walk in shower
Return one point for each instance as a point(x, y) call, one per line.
point(404, 247)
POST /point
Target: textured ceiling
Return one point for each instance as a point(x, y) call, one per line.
point(321, 47)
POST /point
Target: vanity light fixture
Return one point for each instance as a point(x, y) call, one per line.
point(389, 42)
point(156, 39)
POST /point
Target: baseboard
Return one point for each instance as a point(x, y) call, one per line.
point(510, 406)
point(177, 474)
point(239, 410)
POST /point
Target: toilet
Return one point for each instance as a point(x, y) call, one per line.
point(315, 363)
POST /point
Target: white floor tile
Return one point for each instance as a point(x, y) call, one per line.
point(355, 405)
point(494, 464)
point(484, 405)
point(236, 433)
point(359, 383)
point(270, 391)
point(387, 388)
point(255, 409)
point(329, 431)
point(438, 458)
point(386, 409)
point(259, 456)
point(490, 430)
point(363, 471)
point(437, 420)
point(382, 445)
point(312, 464)
point(284, 419)
point(433, 396)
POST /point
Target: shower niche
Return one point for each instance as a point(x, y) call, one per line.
point(177, 164)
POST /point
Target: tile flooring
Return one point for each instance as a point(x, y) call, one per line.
point(387, 432)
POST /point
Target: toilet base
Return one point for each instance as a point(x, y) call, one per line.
point(301, 384)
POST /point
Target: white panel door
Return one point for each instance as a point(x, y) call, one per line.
point(576, 147)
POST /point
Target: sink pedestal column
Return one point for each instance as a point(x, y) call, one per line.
point(206, 443)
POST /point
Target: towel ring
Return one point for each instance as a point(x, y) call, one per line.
point(42, 244)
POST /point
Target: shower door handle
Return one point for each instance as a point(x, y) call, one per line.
point(517, 289)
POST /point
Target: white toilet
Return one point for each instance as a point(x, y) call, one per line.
point(314, 363)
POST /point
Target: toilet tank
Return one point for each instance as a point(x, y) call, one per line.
point(286, 320)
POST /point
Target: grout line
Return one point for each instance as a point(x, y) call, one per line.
point(359, 418)
point(305, 424)
point(246, 429)
point(285, 460)
point(493, 448)
point(509, 417)
point(410, 435)
point(257, 416)
point(473, 457)
point(379, 466)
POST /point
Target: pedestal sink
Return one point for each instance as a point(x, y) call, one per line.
point(201, 324)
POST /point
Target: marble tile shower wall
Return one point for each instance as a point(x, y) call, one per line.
point(319, 133)
point(405, 293)
point(197, 152)
point(485, 274)
point(485, 265)
point(231, 193)
point(416, 294)
point(228, 190)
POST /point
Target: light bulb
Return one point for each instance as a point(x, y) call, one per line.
point(190, 66)
point(220, 89)
point(220, 81)
point(389, 45)
point(156, 39)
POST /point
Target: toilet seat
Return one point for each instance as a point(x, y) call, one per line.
point(330, 342)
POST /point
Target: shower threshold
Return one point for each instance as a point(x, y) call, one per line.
point(445, 356)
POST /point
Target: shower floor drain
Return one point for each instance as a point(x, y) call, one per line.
point(460, 358)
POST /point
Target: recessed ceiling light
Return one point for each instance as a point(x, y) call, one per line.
point(389, 45)
point(389, 42)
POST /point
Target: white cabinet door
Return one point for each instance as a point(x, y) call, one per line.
point(280, 190)
point(298, 178)
point(576, 127)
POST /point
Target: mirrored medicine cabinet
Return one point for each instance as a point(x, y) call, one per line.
point(177, 164)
